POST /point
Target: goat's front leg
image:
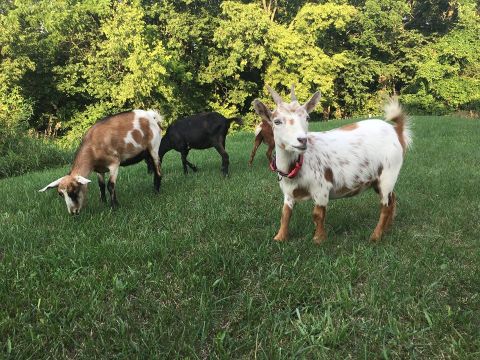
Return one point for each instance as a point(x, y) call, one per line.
point(319, 220)
point(111, 185)
point(282, 234)
point(225, 159)
point(101, 185)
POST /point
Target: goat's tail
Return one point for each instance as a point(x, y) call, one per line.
point(157, 117)
point(394, 112)
point(258, 129)
point(238, 120)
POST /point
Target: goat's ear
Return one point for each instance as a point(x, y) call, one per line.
point(52, 185)
point(82, 180)
point(262, 110)
point(310, 104)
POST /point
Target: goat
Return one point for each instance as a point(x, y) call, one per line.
point(263, 133)
point(336, 163)
point(201, 131)
point(118, 140)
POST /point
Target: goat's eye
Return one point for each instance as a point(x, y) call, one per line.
point(60, 194)
point(277, 121)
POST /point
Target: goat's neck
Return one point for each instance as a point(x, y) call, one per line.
point(82, 165)
point(284, 159)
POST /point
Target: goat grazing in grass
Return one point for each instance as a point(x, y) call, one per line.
point(336, 163)
point(201, 131)
point(263, 133)
point(118, 140)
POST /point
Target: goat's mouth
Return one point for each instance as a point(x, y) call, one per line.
point(301, 147)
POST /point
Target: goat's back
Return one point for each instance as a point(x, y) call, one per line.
point(199, 131)
point(124, 135)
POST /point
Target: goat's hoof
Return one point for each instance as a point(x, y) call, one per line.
point(317, 240)
point(280, 238)
point(375, 237)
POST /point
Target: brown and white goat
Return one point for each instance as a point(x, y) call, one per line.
point(118, 140)
point(263, 133)
point(336, 163)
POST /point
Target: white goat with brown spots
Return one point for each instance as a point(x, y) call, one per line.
point(334, 164)
point(118, 140)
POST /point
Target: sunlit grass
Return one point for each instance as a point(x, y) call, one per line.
point(193, 272)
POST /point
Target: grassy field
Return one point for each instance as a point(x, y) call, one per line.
point(194, 273)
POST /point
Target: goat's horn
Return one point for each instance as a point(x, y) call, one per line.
point(277, 98)
point(292, 93)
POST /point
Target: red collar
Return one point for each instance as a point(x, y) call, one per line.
point(294, 172)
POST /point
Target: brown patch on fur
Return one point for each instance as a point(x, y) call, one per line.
point(380, 170)
point(137, 136)
point(328, 173)
point(290, 122)
point(284, 221)
point(106, 143)
point(147, 132)
point(301, 193)
point(349, 127)
point(319, 220)
point(387, 214)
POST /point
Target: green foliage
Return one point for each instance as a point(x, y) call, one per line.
point(446, 76)
point(62, 63)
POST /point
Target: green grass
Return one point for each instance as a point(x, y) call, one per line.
point(194, 273)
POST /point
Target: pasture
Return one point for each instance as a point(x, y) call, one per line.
point(194, 272)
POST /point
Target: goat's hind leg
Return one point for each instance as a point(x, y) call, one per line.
point(157, 174)
point(388, 201)
point(269, 153)
point(256, 144)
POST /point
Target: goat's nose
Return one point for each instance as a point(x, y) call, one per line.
point(302, 140)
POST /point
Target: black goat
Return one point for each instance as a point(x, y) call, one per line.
point(201, 131)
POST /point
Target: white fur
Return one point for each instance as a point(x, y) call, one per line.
point(354, 157)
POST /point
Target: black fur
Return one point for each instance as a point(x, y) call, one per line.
point(201, 131)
